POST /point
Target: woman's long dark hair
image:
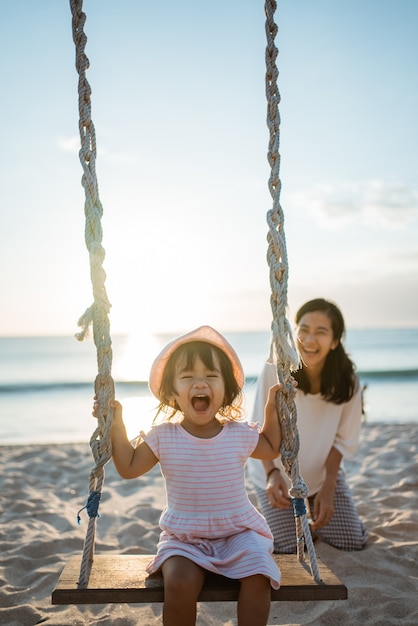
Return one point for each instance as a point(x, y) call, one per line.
point(338, 378)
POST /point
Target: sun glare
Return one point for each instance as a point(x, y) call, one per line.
point(138, 413)
point(133, 357)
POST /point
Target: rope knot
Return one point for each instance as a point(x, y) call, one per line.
point(298, 488)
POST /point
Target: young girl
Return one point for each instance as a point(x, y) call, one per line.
point(329, 408)
point(202, 446)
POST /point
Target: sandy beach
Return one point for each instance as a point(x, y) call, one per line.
point(43, 487)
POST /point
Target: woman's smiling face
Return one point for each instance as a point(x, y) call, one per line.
point(315, 338)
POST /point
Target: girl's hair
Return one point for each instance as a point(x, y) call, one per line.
point(187, 353)
point(338, 379)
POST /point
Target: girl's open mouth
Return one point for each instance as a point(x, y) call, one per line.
point(200, 403)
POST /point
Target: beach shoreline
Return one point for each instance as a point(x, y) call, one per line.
point(42, 487)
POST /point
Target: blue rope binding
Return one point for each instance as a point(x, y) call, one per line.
point(299, 507)
point(299, 510)
point(92, 505)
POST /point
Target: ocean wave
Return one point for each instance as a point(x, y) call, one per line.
point(141, 387)
point(34, 387)
point(385, 374)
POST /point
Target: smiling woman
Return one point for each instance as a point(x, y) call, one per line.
point(329, 409)
point(326, 367)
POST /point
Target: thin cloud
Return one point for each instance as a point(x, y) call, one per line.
point(69, 144)
point(374, 203)
point(389, 205)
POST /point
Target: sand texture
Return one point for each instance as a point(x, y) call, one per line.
point(43, 487)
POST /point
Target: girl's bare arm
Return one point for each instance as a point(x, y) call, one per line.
point(130, 462)
point(270, 438)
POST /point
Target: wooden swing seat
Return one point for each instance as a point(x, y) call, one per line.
point(123, 579)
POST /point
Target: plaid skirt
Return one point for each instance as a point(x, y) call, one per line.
point(345, 531)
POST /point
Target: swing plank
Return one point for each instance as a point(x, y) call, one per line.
point(123, 579)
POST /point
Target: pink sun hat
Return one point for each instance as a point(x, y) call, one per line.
point(203, 333)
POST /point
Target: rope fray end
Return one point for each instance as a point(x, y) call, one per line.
point(92, 506)
point(85, 322)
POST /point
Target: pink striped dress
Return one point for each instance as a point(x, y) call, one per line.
point(208, 517)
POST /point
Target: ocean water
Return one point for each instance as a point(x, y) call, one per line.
point(46, 383)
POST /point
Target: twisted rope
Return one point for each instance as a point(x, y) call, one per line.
point(283, 351)
point(97, 314)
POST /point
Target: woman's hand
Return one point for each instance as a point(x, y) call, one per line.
point(324, 499)
point(323, 507)
point(276, 490)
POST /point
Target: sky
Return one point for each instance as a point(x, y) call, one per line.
point(179, 108)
